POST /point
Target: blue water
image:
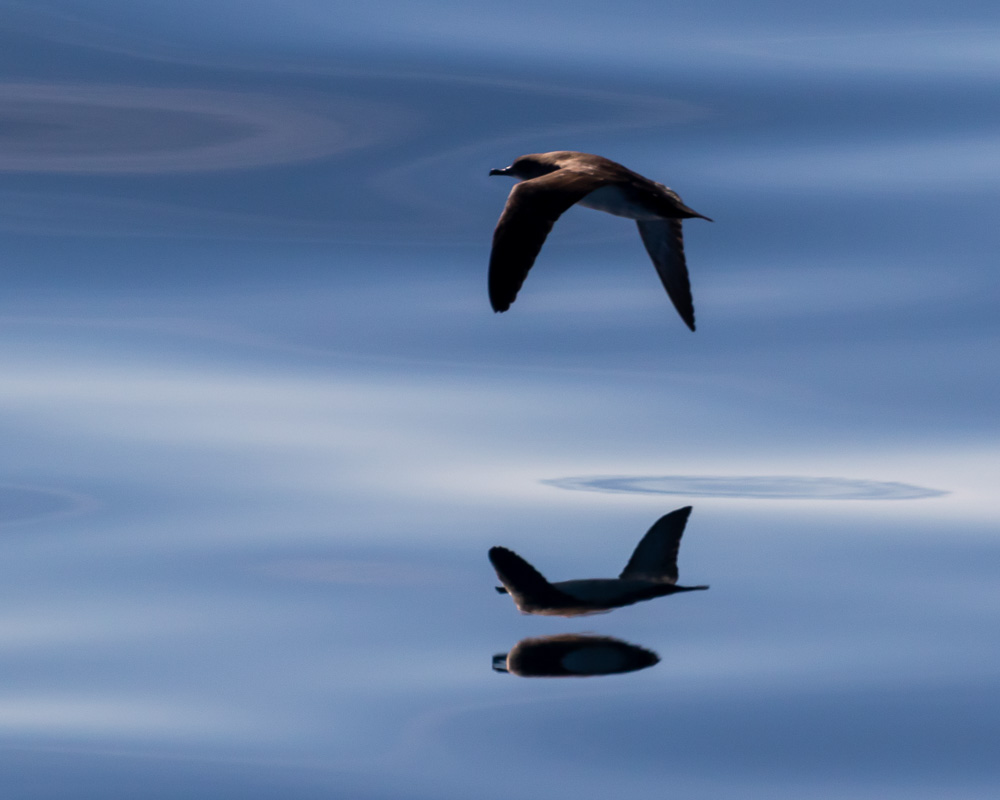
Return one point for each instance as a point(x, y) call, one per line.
point(260, 427)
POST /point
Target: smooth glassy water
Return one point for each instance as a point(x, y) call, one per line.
point(261, 428)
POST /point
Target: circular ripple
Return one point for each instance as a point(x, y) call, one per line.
point(128, 129)
point(770, 487)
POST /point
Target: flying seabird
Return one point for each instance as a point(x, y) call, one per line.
point(650, 572)
point(550, 183)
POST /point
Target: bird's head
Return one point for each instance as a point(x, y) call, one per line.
point(527, 167)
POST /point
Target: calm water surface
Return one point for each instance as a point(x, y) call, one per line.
point(261, 428)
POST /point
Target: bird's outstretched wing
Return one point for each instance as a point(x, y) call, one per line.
point(525, 584)
point(665, 245)
point(532, 209)
point(655, 557)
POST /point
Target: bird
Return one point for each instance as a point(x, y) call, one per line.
point(573, 655)
point(549, 183)
point(650, 572)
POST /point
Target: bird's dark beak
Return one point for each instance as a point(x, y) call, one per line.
point(504, 171)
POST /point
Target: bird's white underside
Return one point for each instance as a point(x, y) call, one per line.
point(612, 200)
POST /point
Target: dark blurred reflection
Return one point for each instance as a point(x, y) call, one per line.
point(650, 572)
point(573, 655)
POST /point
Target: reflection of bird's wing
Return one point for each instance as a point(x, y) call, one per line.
point(665, 245)
point(655, 557)
point(526, 585)
point(532, 209)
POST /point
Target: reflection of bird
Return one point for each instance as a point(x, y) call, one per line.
point(551, 183)
point(650, 572)
point(573, 655)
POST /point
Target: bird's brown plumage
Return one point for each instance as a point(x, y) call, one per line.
point(532, 209)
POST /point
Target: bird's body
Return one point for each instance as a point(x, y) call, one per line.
point(552, 182)
point(651, 572)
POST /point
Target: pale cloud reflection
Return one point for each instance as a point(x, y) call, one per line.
point(950, 163)
point(51, 623)
point(788, 290)
point(77, 714)
point(632, 35)
point(901, 50)
point(357, 572)
point(344, 433)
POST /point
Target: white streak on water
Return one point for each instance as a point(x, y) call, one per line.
point(80, 714)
